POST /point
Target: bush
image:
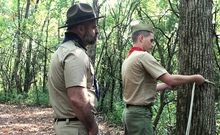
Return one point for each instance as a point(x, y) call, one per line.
point(38, 97)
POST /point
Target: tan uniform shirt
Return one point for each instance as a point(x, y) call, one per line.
point(139, 75)
point(70, 66)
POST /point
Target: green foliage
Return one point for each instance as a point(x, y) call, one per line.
point(218, 117)
point(41, 99)
point(115, 116)
point(39, 32)
point(12, 97)
point(167, 120)
point(166, 124)
point(29, 98)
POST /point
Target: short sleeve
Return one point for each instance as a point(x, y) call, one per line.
point(75, 69)
point(152, 66)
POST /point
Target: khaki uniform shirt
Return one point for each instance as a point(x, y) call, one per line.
point(70, 66)
point(139, 75)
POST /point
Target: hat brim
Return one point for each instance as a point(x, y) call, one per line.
point(73, 24)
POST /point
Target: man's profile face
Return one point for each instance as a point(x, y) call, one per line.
point(149, 42)
point(91, 32)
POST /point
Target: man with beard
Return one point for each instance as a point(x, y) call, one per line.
point(71, 80)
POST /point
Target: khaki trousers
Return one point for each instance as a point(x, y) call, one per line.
point(70, 128)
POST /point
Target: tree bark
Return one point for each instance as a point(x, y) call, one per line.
point(196, 57)
point(92, 48)
point(16, 76)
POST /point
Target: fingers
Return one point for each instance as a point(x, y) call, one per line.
point(199, 80)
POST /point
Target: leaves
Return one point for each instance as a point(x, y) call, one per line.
point(27, 120)
point(38, 35)
point(21, 119)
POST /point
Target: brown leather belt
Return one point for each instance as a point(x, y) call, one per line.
point(65, 119)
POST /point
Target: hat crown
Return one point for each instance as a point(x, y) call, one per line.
point(79, 13)
point(78, 10)
point(142, 26)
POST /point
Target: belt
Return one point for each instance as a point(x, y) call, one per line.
point(65, 119)
point(144, 106)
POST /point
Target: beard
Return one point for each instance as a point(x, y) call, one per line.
point(89, 38)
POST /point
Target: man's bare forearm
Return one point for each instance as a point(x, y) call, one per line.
point(85, 115)
point(82, 108)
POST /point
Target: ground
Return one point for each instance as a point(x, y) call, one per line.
point(27, 120)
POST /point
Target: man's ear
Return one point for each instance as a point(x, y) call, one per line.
point(81, 29)
point(141, 37)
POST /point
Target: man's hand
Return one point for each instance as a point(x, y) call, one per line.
point(172, 87)
point(95, 131)
point(199, 79)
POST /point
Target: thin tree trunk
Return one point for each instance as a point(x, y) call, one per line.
point(28, 77)
point(46, 57)
point(92, 48)
point(16, 75)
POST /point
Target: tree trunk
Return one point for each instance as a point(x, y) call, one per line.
point(196, 57)
point(92, 48)
point(28, 77)
point(46, 57)
point(16, 76)
point(27, 70)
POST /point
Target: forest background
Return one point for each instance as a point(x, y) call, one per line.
point(30, 35)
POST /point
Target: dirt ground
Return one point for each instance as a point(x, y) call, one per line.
point(26, 120)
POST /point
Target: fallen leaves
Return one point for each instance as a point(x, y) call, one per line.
point(29, 120)
point(25, 120)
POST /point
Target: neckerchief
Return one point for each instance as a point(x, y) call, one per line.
point(134, 49)
point(76, 38)
point(97, 90)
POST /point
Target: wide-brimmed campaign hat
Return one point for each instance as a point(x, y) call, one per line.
point(79, 13)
